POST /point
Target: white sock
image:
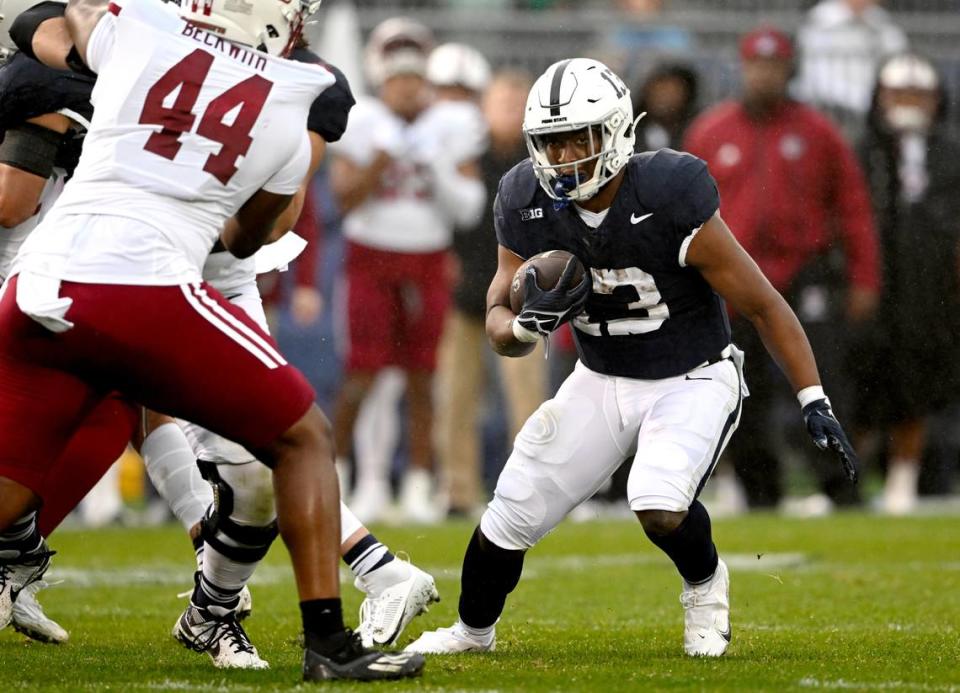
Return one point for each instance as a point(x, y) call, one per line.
point(223, 577)
point(387, 575)
point(481, 634)
point(349, 524)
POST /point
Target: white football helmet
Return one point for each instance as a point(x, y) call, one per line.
point(578, 94)
point(396, 46)
point(458, 65)
point(271, 26)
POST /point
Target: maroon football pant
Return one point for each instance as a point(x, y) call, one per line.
point(182, 350)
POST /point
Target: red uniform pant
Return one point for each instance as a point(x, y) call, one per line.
point(182, 350)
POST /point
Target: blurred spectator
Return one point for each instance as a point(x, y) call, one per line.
point(669, 97)
point(464, 349)
point(404, 177)
point(790, 189)
point(841, 42)
point(640, 34)
point(906, 362)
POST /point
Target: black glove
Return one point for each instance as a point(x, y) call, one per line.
point(827, 433)
point(544, 311)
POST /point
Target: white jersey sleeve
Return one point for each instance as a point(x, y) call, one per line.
point(288, 179)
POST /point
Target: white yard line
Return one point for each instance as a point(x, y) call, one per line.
point(843, 684)
point(180, 575)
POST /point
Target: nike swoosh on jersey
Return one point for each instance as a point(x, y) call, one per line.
point(634, 219)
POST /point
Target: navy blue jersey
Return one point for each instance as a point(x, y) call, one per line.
point(329, 112)
point(29, 89)
point(648, 316)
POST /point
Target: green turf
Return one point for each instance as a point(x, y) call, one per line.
point(851, 602)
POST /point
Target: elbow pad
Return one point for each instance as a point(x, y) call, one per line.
point(31, 148)
point(461, 197)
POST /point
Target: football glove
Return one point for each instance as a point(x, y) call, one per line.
point(827, 434)
point(544, 311)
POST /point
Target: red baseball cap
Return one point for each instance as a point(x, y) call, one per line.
point(766, 42)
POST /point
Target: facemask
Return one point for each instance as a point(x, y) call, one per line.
point(907, 119)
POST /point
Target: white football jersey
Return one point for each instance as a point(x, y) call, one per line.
point(457, 127)
point(402, 214)
point(186, 127)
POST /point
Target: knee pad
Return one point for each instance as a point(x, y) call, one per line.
point(522, 511)
point(662, 481)
point(241, 523)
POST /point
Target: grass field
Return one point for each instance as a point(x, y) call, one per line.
point(851, 602)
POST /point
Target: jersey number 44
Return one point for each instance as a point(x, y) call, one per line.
point(188, 75)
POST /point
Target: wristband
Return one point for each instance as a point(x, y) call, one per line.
point(810, 394)
point(522, 334)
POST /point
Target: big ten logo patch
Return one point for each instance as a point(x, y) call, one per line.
point(532, 213)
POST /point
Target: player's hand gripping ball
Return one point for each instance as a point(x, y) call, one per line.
point(548, 290)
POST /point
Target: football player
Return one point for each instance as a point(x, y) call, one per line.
point(403, 186)
point(43, 113)
point(396, 591)
point(157, 183)
point(658, 377)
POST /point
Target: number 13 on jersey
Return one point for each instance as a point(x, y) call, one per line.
point(188, 76)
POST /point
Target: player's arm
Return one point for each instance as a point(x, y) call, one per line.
point(460, 192)
point(41, 32)
point(82, 18)
point(27, 155)
point(352, 183)
point(288, 218)
point(500, 317)
point(735, 276)
point(253, 223)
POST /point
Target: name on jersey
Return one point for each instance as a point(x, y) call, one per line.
point(531, 213)
point(254, 59)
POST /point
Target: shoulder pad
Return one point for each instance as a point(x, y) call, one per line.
point(330, 111)
point(29, 89)
point(659, 176)
point(337, 98)
point(518, 186)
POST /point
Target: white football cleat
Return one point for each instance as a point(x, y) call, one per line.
point(706, 630)
point(383, 617)
point(215, 630)
point(452, 640)
point(16, 574)
point(29, 619)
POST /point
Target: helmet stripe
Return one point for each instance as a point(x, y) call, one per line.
point(555, 87)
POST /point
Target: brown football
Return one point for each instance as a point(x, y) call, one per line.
point(549, 266)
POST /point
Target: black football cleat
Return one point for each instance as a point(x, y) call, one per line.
point(342, 656)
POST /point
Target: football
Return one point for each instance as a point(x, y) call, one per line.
point(549, 266)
